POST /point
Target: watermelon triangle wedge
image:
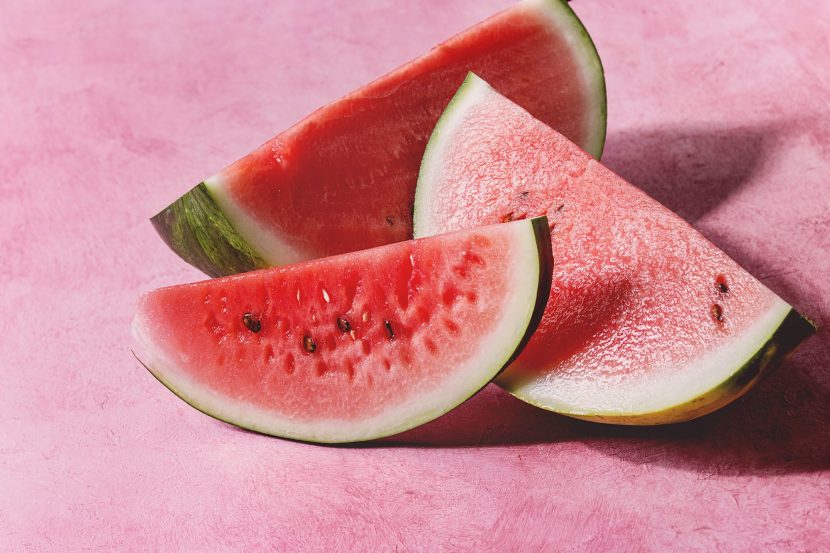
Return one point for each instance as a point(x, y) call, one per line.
point(343, 179)
point(352, 347)
point(648, 322)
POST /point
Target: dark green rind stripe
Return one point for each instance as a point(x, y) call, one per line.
point(541, 232)
point(193, 404)
point(793, 330)
point(197, 230)
point(591, 48)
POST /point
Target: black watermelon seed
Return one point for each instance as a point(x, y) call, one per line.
point(253, 324)
point(389, 330)
point(343, 324)
point(720, 282)
point(309, 344)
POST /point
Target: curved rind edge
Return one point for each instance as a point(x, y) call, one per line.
point(593, 58)
point(541, 231)
point(541, 236)
point(470, 83)
point(199, 232)
point(793, 330)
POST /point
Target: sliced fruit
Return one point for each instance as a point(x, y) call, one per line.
point(352, 347)
point(343, 179)
point(648, 322)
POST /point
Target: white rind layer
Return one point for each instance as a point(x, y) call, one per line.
point(263, 240)
point(562, 18)
point(469, 94)
point(496, 349)
point(665, 388)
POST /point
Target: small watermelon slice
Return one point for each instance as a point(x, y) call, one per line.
point(357, 346)
point(343, 179)
point(648, 322)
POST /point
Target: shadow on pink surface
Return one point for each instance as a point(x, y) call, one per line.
point(691, 170)
point(780, 427)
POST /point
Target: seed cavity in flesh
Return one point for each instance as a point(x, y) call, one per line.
point(717, 312)
point(720, 283)
point(390, 220)
point(253, 324)
point(326, 296)
point(343, 324)
point(309, 344)
point(513, 216)
point(288, 365)
point(389, 330)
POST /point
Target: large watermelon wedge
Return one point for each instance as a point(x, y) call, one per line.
point(357, 346)
point(648, 322)
point(343, 179)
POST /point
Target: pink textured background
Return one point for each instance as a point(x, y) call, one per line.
point(109, 110)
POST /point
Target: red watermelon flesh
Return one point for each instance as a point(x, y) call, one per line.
point(356, 346)
point(343, 178)
point(647, 320)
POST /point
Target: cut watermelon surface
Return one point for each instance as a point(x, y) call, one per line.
point(648, 322)
point(352, 347)
point(343, 179)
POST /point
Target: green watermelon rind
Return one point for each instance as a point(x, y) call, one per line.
point(783, 340)
point(454, 111)
point(199, 228)
point(199, 231)
point(776, 342)
point(591, 59)
point(530, 312)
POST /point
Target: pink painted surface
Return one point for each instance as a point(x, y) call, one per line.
point(110, 110)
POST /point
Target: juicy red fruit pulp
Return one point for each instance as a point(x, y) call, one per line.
point(344, 178)
point(336, 338)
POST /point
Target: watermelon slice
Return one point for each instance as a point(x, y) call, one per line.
point(357, 346)
point(648, 322)
point(343, 179)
